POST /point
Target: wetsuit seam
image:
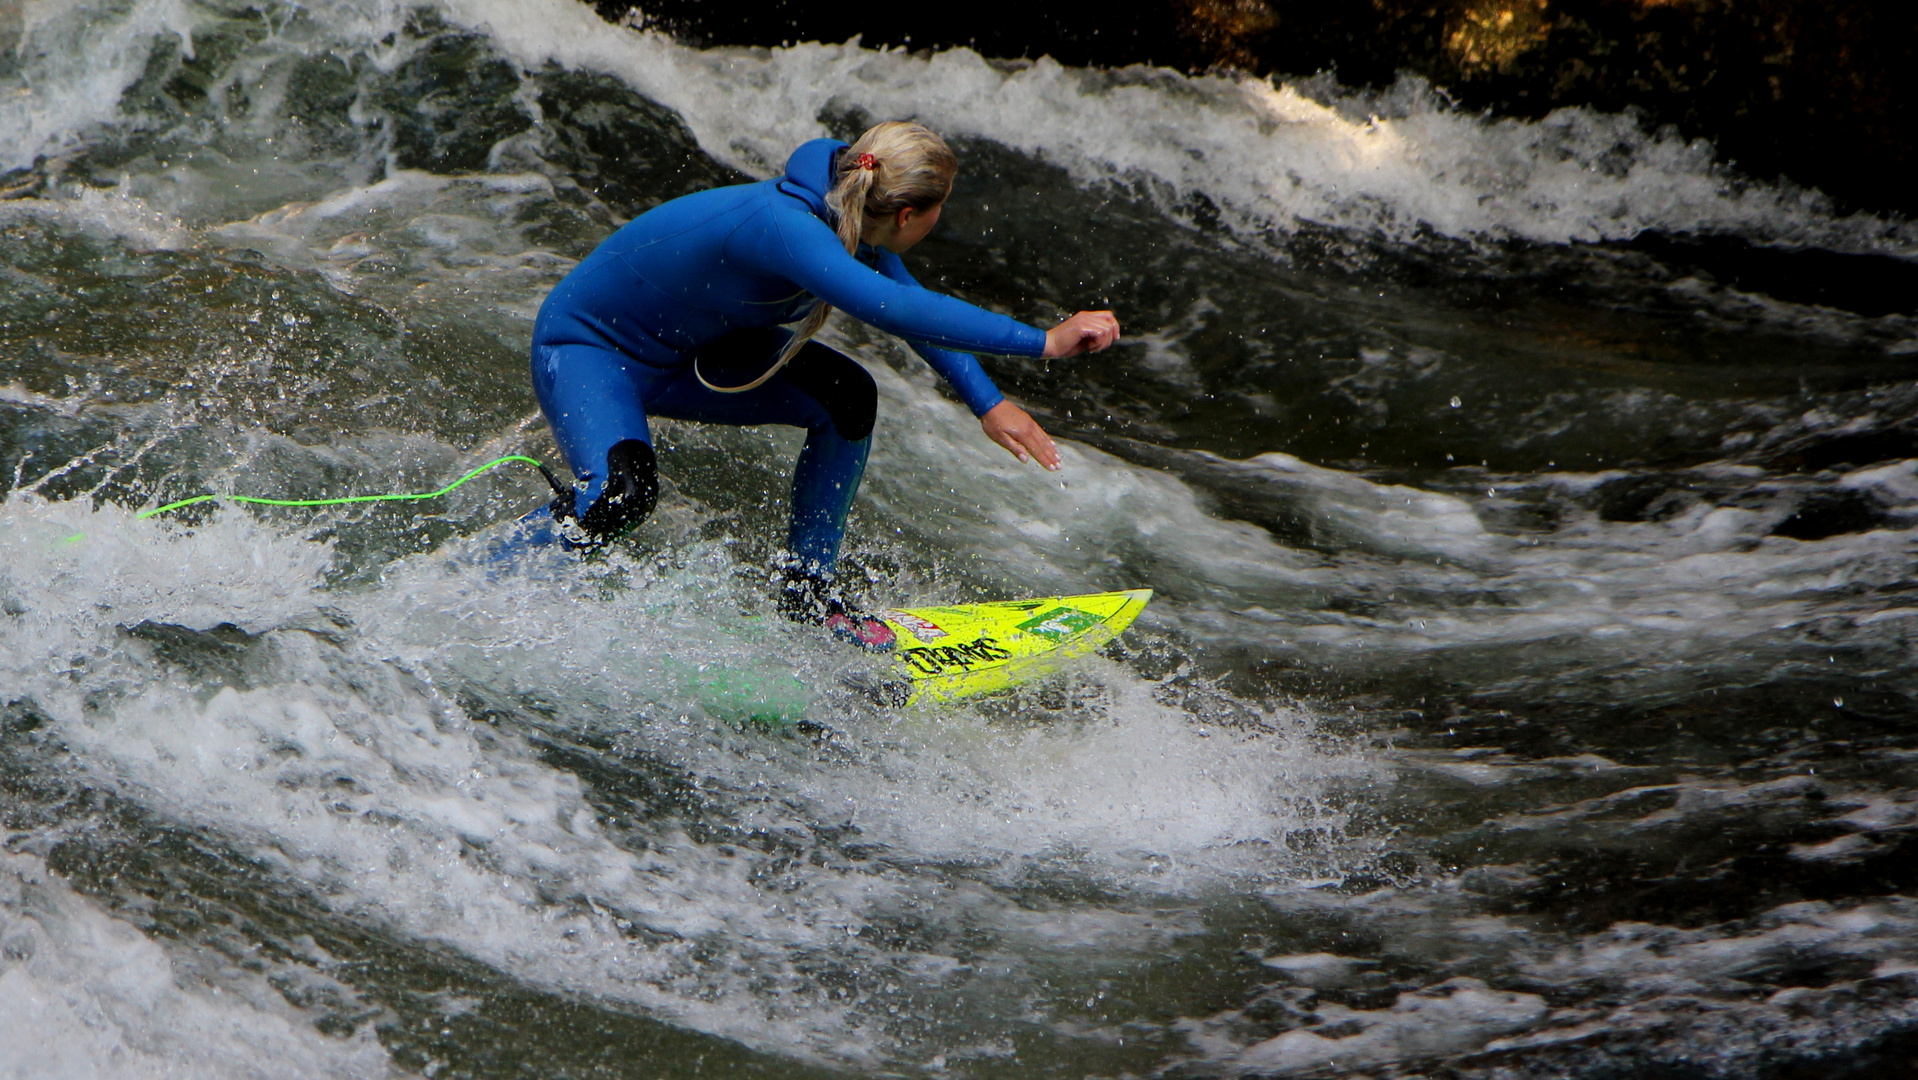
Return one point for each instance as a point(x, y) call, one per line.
point(726, 244)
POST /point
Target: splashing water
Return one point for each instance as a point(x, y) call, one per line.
point(1527, 692)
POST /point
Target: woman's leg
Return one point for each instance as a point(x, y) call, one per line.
point(833, 461)
point(821, 390)
point(594, 400)
point(597, 402)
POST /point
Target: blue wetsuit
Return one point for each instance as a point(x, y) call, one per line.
point(719, 271)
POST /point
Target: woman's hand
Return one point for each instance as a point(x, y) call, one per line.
point(1013, 428)
point(1088, 331)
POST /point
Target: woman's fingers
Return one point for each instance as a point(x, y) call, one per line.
point(1088, 331)
point(1034, 445)
point(1012, 445)
point(1103, 329)
point(1013, 428)
point(1039, 445)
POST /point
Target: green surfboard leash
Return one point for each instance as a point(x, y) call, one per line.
point(495, 463)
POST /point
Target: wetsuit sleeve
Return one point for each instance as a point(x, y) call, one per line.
point(960, 369)
point(800, 248)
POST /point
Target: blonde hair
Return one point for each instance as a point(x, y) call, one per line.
point(911, 167)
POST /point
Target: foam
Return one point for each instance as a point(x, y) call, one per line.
point(1451, 1018)
point(1709, 584)
point(1147, 784)
point(1271, 154)
point(262, 765)
point(1387, 518)
point(1317, 969)
point(1672, 961)
point(106, 214)
point(340, 762)
point(1268, 153)
point(84, 995)
point(77, 66)
point(1653, 993)
point(453, 231)
point(81, 571)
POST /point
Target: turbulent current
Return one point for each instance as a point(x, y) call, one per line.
point(1529, 692)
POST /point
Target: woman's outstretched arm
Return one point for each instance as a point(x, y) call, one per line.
point(1004, 422)
point(804, 251)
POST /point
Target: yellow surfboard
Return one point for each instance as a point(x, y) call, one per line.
point(963, 650)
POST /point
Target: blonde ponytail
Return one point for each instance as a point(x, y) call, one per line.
point(892, 166)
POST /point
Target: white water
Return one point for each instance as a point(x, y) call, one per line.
point(1265, 150)
point(452, 832)
point(344, 755)
point(1269, 152)
point(83, 994)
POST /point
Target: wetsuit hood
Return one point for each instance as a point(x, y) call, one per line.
point(809, 175)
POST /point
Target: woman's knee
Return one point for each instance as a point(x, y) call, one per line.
point(626, 495)
point(840, 386)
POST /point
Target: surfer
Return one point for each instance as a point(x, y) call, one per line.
point(685, 312)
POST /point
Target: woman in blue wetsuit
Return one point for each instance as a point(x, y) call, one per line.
point(682, 313)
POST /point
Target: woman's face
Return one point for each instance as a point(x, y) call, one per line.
point(904, 229)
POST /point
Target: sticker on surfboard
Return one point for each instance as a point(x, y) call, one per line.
point(923, 629)
point(963, 650)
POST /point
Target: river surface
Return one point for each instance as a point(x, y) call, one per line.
point(1529, 692)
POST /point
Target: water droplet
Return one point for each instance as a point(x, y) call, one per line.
point(1456, 401)
point(1838, 702)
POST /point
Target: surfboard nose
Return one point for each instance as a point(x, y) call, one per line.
point(964, 650)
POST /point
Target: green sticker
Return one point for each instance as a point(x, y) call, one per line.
point(1060, 623)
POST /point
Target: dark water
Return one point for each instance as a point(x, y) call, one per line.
point(1529, 692)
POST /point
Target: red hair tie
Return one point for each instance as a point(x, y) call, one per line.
point(866, 161)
